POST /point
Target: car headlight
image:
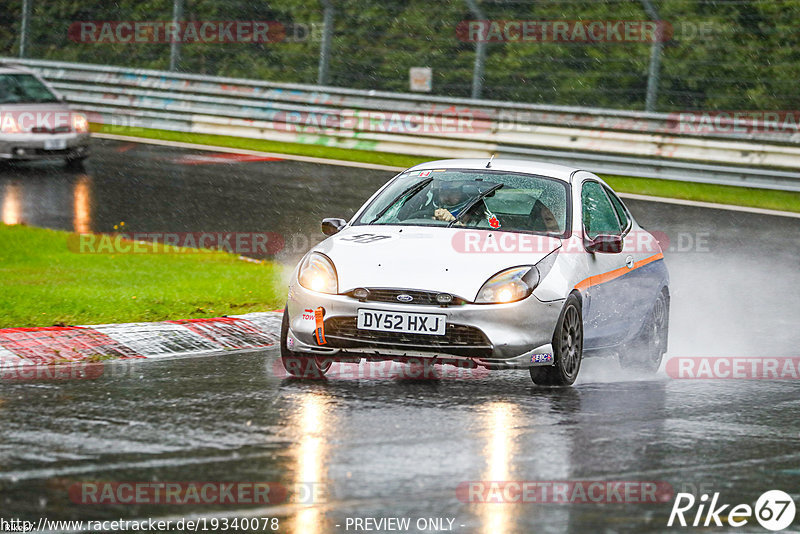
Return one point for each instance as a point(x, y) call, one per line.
point(516, 283)
point(79, 123)
point(317, 273)
point(510, 285)
point(9, 125)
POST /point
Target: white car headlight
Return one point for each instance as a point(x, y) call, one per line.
point(515, 283)
point(79, 123)
point(317, 273)
point(510, 285)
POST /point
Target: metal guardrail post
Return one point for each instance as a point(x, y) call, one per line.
point(480, 54)
point(325, 45)
point(25, 30)
point(655, 58)
point(175, 45)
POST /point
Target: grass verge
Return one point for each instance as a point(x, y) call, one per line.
point(44, 283)
point(722, 194)
point(363, 155)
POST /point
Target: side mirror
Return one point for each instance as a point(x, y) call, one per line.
point(609, 244)
point(332, 226)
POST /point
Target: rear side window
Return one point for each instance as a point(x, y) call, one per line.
point(599, 216)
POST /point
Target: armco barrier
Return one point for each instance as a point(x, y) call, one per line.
point(607, 141)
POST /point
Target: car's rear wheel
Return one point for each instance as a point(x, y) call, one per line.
point(567, 347)
point(300, 365)
point(647, 350)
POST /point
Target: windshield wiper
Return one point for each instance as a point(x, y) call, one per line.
point(471, 203)
point(413, 190)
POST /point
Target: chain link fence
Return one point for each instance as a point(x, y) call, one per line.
point(684, 54)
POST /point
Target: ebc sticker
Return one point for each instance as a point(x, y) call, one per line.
point(364, 238)
point(547, 357)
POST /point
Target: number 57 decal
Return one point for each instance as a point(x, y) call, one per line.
point(365, 238)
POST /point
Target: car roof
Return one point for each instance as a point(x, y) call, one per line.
point(560, 172)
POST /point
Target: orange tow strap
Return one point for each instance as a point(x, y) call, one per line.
point(320, 331)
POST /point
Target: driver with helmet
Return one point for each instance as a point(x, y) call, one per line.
point(449, 199)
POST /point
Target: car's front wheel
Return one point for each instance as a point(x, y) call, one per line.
point(300, 365)
point(567, 347)
point(75, 162)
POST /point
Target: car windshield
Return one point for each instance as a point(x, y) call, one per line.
point(23, 89)
point(500, 200)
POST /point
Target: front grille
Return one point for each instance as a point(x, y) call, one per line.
point(424, 298)
point(342, 332)
point(58, 130)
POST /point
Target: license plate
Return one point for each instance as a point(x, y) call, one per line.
point(412, 323)
point(55, 144)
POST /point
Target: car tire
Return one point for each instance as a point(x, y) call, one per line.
point(567, 348)
point(75, 163)
point(300, 365)
point(646, 350)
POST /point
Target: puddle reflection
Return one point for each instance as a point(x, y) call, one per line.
point(12, 204)
point(63, 203)
point(82, 204)
point(314, 423)
point(499, 452)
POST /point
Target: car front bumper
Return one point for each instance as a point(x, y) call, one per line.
point(497, 336)
point(26, 147)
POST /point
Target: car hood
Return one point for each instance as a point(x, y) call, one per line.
point(452, 260)
point(35, 107)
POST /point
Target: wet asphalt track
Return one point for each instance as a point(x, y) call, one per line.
point(396, 447)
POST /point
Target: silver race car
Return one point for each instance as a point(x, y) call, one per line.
point(37, 123)
point(502, 264)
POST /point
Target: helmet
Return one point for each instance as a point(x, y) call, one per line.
point(448, 194)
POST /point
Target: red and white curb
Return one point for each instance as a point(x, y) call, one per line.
point(47, 346)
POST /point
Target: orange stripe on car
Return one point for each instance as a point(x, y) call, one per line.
point(598, 279)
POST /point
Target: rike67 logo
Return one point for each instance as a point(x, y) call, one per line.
point(774, 510)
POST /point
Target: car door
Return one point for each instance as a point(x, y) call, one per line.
point(644, 281)
point(605, 302)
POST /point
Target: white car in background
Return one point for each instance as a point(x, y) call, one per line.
point(502, 264)
point(36, 123)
